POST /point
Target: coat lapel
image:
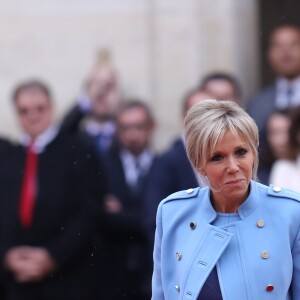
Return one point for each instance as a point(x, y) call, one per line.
point(207, 253)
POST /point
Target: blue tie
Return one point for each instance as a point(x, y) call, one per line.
point(103, 142)
point(289, 96)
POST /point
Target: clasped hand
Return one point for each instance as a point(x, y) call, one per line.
point(29, 264)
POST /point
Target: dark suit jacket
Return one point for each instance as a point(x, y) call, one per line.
point(171, 173)
point(70, 183)
point(125, 241)
point(5, 146)
point(260, 107)
point(5, 149)
point(71, 124)
point(71, 121)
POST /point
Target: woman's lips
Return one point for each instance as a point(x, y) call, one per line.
point(234, 181)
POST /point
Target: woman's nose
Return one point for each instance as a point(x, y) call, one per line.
point(232, 165)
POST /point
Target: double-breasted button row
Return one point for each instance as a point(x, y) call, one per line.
point(269, 288)
point(265, 253)
point(261, 224)
point(178, 257)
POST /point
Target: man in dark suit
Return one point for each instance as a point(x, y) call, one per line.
point(284, 59)
point(5, 148)
point(48, 206)
point(284, 93)
point(129, 261)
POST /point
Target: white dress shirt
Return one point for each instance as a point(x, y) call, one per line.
point(136, 166)
point(42, 140)
point(283, 100)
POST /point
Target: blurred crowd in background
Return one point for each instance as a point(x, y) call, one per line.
point(78, 197)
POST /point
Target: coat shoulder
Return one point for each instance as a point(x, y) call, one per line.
point(182, 195)
point(279, 192)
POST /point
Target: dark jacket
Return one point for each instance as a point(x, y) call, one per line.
point(127, 254)
point(71, 184)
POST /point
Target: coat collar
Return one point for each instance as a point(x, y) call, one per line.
point(246, 208)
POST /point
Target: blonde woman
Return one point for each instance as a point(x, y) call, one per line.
point(236, 238)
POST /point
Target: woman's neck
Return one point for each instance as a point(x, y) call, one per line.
point(227, 205)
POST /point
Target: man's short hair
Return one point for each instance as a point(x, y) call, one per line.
point(31, 85)
point(136, 103)
point(222, 76)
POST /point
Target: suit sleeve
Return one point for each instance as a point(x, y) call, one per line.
point(71, 121)
point(89, 184)
point(157, 286)
point(159, 186)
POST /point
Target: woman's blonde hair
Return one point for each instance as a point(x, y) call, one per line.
point(207, 122)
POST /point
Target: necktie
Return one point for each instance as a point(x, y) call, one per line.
point(289, 96)
point(28, 190)
point(103, 142)
point(135, 186)
point(139, 171)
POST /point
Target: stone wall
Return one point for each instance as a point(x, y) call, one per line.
point(161, 48)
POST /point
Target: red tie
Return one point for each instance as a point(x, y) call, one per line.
point(28, 191)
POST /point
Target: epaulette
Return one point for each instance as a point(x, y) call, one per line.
point(185, 194)
point(277, 191)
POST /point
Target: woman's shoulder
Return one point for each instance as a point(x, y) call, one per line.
point(183, 198)
point(277, 192)
point(182, 195)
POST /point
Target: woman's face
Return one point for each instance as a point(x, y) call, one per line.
point(229, 171)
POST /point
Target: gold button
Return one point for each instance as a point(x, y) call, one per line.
point(260, 223)
point(177, 287)
point(265, 254)
point(178, 256)
point(193, 225)
point(276, 189)
point(189, 191)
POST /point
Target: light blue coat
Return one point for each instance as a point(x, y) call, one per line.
point(260, 250)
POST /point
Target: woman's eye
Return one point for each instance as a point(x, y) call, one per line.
point(216, 157)
point(241, 151)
